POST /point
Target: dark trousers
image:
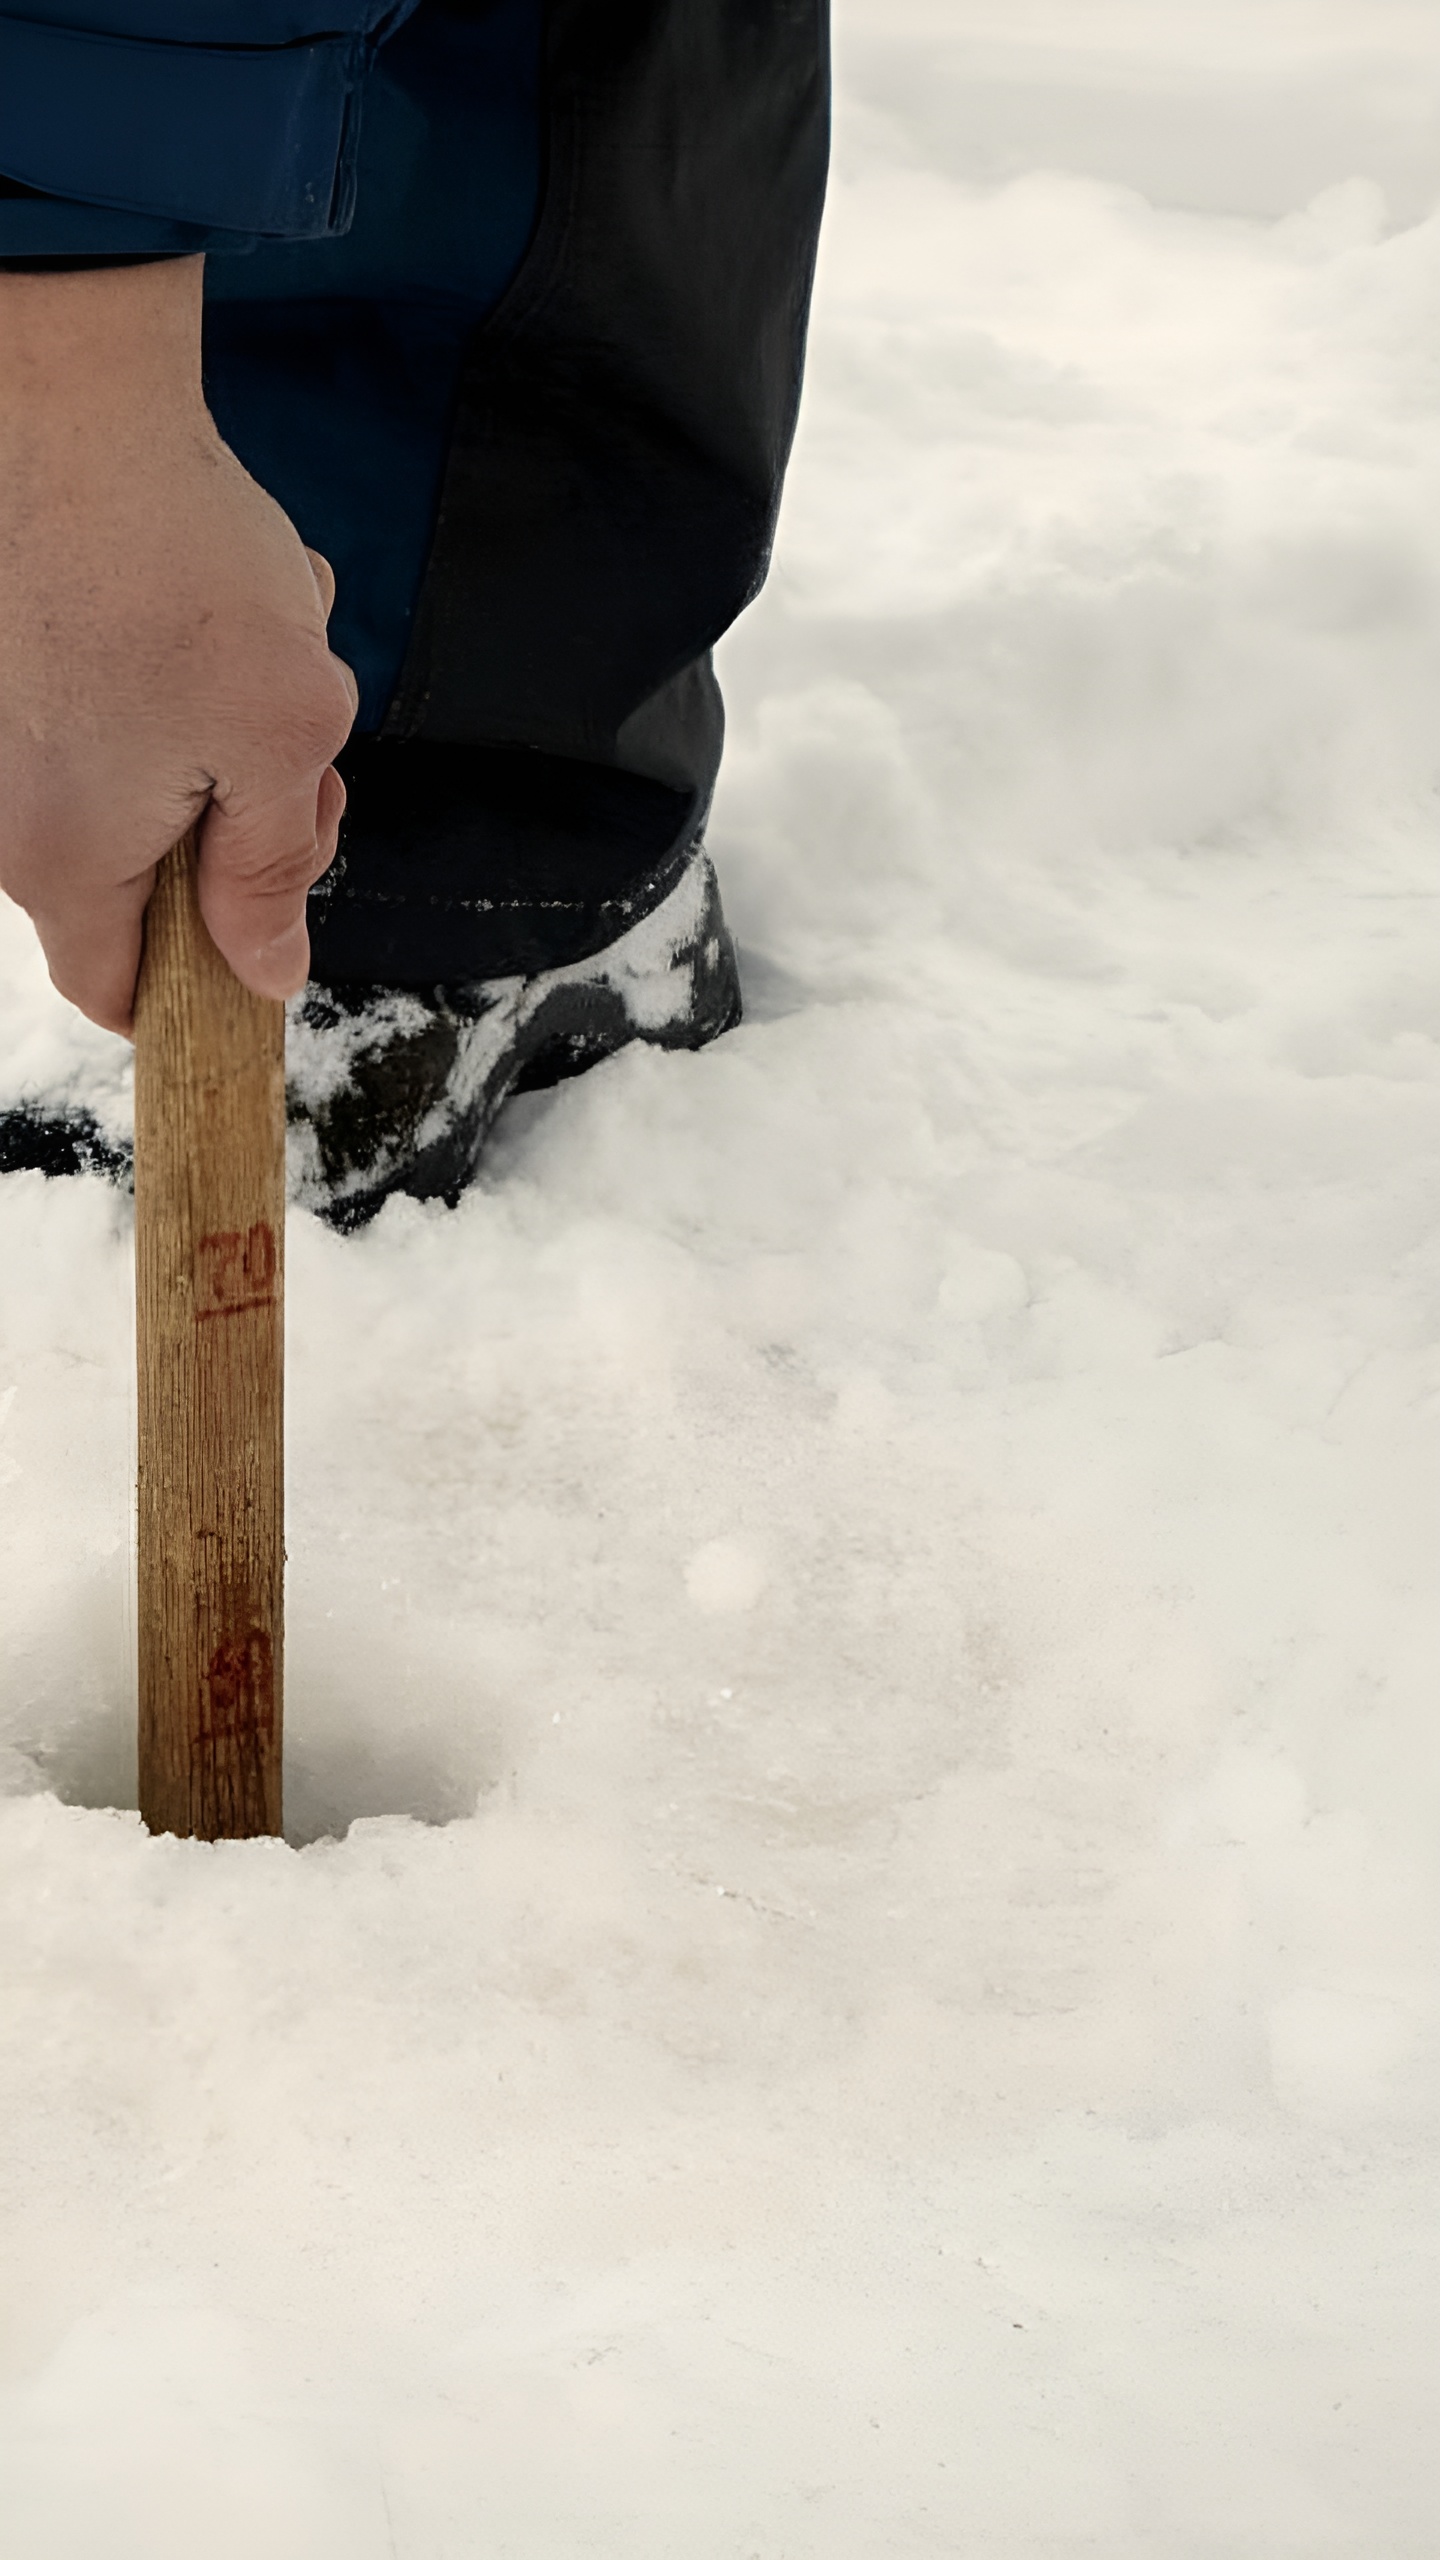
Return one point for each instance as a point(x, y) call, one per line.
point(545, 445)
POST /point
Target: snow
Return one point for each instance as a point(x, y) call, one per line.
point(855, 1971)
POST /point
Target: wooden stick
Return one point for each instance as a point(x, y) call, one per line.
point(209, 1257)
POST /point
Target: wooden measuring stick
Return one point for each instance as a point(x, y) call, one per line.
point(209, 1265)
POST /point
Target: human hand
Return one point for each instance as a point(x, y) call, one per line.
point(162, 645)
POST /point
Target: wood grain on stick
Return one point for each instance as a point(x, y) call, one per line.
point(209, 1268)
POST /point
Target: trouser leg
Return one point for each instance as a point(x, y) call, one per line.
point(604, 497)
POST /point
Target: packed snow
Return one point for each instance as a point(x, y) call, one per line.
point(854, 1976)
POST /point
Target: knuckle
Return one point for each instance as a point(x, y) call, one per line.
point(306, 717)
point(319, 718)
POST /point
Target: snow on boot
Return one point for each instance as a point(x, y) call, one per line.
point(390, 1089)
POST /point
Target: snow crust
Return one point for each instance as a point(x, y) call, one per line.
point(855, 1973)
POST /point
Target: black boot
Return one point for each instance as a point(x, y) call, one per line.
point(395, 1090)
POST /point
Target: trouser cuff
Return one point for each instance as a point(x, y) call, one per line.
point(464, 862)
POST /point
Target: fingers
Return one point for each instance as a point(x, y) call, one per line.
point(92, 948)
point(255, 871)
point(271, 830)
point(256, 867)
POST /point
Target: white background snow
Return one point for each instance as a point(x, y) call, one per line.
point(855, 1975)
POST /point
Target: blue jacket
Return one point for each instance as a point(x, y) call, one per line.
point(167, 126)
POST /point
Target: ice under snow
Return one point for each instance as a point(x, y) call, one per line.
point(855, 1973)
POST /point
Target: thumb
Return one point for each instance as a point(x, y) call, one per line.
point(256, 865)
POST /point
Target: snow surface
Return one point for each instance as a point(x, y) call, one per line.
point(855, 1973)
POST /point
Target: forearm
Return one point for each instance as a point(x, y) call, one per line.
point(84, 350)
point(101, 416)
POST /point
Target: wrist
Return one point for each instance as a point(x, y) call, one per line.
point(89, 346)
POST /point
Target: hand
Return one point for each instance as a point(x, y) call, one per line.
point(162, 645)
